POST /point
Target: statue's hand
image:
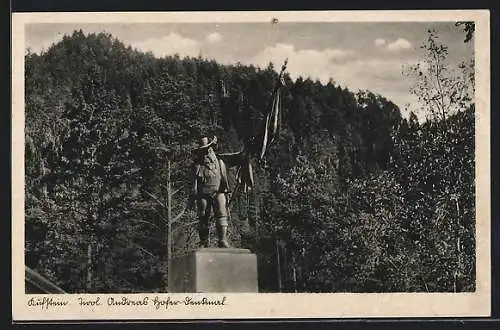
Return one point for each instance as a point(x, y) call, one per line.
point(229, 195)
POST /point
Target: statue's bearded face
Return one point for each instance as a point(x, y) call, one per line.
point(209, 156)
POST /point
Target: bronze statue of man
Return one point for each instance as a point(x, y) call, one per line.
point(210, 188)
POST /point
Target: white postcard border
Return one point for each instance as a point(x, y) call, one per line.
point(248, 306)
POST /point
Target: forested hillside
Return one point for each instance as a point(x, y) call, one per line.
point(352, 197)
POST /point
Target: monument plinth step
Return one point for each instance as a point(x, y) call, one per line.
point(214, 270)
point(222, 250)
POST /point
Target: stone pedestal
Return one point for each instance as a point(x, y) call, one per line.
point(214, 270)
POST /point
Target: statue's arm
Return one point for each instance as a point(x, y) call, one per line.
point(232, 159)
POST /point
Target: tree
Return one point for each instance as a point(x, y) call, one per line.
point(469, 29)
point(441, 89)
point(435, 164)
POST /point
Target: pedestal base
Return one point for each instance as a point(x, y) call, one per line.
point(214, 270)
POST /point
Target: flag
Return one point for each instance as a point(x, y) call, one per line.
point(256, 146)
point(270, 129)
point(271, 124)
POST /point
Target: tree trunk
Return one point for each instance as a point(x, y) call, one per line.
point(89, 267)
point(278, 265)
point(169, 226)
point(294, 274)
point(459, 252)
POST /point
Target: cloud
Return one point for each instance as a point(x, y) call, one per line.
point(344, 66)
point(379, 42)
point(399, 44)
point(213, 37)
point(305, 62)
point(170, 45)
point(347, 68)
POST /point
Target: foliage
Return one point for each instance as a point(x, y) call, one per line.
point(352, 197)
point(442, 89)
point(469, 29)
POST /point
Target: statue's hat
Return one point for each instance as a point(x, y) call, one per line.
point(204, 144)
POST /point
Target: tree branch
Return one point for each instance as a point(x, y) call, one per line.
point(156, 199)
point(147, 222)
point(178, 216)
point(185, 225)
point(144, 250)
point(177, 190)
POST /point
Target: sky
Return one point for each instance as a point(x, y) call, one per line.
point(356, 55)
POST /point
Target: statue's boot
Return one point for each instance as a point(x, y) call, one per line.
point(222, 236)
